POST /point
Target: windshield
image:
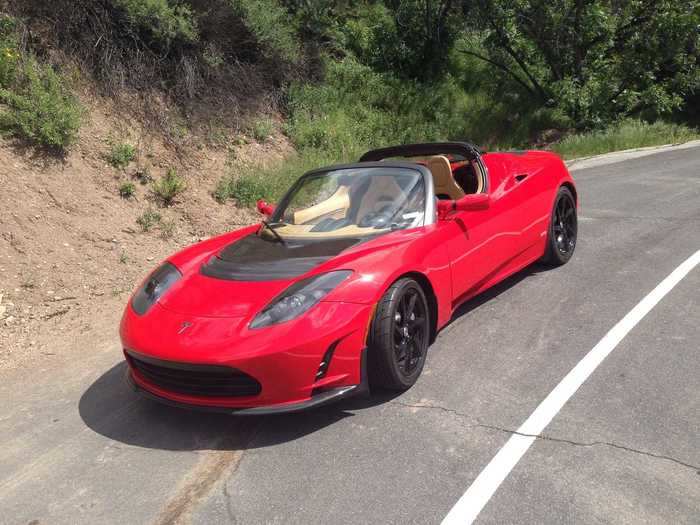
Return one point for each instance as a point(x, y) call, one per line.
point(352, 202)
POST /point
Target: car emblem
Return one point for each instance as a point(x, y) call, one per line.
point(184, 326)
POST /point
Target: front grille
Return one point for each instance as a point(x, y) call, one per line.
point(195, 380)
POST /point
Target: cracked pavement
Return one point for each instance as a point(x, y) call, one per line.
point(80, 447)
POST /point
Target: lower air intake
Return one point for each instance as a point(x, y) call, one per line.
point(194, 380)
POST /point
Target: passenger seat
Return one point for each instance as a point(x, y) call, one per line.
point(444, 182)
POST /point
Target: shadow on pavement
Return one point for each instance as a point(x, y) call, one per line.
point(496, 290)
point(111, 408)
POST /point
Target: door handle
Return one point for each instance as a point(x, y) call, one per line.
point(521, 177)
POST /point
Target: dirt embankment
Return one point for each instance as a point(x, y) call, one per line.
point(71, 250)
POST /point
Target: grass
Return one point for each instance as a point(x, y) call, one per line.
point(250, 184)
point(628, 134)
point(167, 229)
point(120, 155)
point(127, 190)
point(168, 187)
point(148, 219)
point(262, 128)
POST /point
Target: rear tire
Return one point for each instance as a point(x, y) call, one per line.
point(399, 337)
point(563, 229)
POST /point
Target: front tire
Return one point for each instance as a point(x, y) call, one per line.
point(563, 229)
point(399, 337)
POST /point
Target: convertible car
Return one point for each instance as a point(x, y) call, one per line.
point(347, 280)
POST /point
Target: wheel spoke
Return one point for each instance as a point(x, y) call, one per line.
point(411, 305)
point(409, 358)
point(401, 352)
point(417, 322)
point(418, 347)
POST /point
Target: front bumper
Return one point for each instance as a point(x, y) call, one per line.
point(318, 399)
point(284, 358)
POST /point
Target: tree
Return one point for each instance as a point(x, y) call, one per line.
point(594, 59)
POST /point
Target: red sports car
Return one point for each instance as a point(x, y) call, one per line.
point(348, 279)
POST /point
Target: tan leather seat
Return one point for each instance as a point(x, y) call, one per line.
point(382, 191)
point(336, 204)
point(444, 182)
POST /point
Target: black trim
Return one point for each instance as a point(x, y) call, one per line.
point(464, 149)
point(253, 258)
point(194, 379)
point(318, 398)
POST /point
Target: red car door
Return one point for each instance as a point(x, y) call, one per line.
point(487, 245)
point(473, 248)
point(529, 199)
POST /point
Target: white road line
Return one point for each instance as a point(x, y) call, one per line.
point(485, 485)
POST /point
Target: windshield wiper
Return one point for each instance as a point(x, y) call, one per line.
point(277, 235)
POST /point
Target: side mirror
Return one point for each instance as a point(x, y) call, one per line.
point(265, 208)
point(471, 202)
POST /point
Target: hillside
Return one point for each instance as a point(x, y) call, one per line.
point(71, 249)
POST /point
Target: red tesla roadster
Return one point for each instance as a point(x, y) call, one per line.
point(347, 280)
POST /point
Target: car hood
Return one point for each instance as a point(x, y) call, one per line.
point(241, 277)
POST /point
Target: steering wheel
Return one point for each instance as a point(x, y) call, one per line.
point(379, 219)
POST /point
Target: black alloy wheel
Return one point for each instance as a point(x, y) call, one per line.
point(399, 336)
point(563, 229)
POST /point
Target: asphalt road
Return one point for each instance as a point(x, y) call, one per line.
point(76, 446)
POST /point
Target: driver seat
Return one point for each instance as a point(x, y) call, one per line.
point(444, 182)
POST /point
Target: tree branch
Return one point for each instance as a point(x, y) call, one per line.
point(501, 67)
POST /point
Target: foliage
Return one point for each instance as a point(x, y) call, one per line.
point(164, 22)
point(247, 188)
point(411, 38)
point(168, 187)
point(41, 109)
point(596, 60)
point(271, 25)
point(349, 75)
point(127, 190)
point(262, 128)
point(39, 105)
point(148, 219)
point(121, 155)
point(625, 135)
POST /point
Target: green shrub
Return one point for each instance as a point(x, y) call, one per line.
point(624, 135)
point(245, 189)
point(223, 190)
point(262, 128)
point(127, 190)
point(271, 25)
point(169, 187)
point(166, 22)
point(9, 55)
point(148, 219)
point(39, 106)
point(121, 155)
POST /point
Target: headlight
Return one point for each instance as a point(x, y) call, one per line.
point(298, 298)
point(154, 287)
